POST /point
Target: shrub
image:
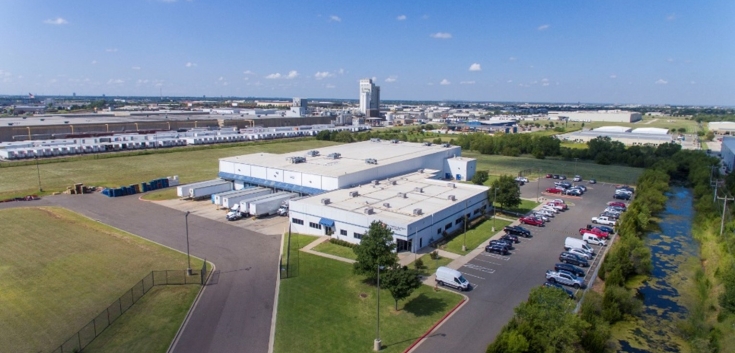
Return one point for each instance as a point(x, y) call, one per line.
point(341, 242)
point(434, 255)
point(617, 302)
point(419, 264)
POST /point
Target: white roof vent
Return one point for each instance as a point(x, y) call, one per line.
point(419, 190)
point(325, 201)
point(394, 141)
point(371, 161)
point(427, 143)
point(386, 205)
point(417, 211)
point(421, 170)
point(451, 185)
point(354, 194)
point(393, 182)
point(312, 153)
point(402, 195)
point(375, 182)
point(452, 198)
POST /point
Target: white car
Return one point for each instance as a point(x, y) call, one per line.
point(546, 213)
point(603, 220)
point(540, 215)
point(523, 179)
point(577, 178)
point(550, 209)
point(581, 253)
point(558, 201)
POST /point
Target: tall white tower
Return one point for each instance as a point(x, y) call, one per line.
point(369, 98)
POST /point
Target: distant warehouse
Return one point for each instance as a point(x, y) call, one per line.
point(625, 135)
point(619, 116)
point(722, 127)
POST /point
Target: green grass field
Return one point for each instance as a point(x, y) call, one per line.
point(325, 308)
point(336, 250)
point(431, 265)
point(525, 206)
point(189, 164)
point(499, 165)
point(150, 324)
point(475, 237)
point(60, 269)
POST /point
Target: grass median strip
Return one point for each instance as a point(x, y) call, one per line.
point(60, 269)
point(475, 236)
point(325, 308)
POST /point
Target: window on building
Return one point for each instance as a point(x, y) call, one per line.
point(297, 221)
point(342, 232)
point(449, 225)
point(457, 221)
point(357, 235)
point(315, 225)
point(476, 211)
point(438, 231)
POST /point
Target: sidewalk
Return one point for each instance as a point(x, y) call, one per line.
point(320, 240)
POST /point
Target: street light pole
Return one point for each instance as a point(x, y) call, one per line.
point(188, 258)
point(377, 344)
point(38, 170)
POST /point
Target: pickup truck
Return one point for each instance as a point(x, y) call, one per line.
point(565, 278)
point(603, 220)
point(596, 231)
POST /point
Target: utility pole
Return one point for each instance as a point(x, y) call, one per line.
point(724, 210)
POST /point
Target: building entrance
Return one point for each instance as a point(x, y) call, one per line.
point(403, 245)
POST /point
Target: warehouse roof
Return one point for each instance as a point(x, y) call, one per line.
point(618, 135)
point(352, 157)
point(387, 199)
point(722, 125)
point(651, 130)
point(612, 129)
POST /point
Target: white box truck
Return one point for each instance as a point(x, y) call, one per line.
point(574, 243)
point(270, 205)
point(232, 200)
point(446, 276)
point(209, 189)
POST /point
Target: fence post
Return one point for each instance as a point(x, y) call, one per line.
point(119, 302)
point(94, 326)
point(166, 272)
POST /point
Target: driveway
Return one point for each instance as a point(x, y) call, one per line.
point(234, 311)
point(500, 283)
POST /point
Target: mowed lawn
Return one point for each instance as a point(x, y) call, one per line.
point(475, 237)
point(59, 270)
point(326, 308)
point(189, 165)
point(500, 165)
point(336, 250)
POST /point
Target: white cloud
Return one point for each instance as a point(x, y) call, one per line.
point(475, 67)
point(692, 83)
point(391, 79)
point(221, 78)
point(330, 86)
point(401, 18)
point(613, 76)
point(136, 68)
point(190, 64)
point(671, 17)
point(111, 50)
point(441, 35)
point(467, 83)
point(334, 18)
point(445, 82)
point(512, 58)
point(142, 82)
point(115, 81)
point(292, 74)
point(341, 71)
point(275, 76)
point(544, 84)
point(661, 82)
point(322, 74)
point(94, 62)
point(56, 21)
point(510, 81)
point(374, 78)
point(248, 72)
point(543, 27)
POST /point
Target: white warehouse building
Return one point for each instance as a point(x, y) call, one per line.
point(727, 151)
point(344, 166)
point(416, 207)
point(619, 116)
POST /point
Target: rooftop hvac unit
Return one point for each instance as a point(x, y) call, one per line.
point(421, 171)
point(334, 155)
point(312, 153)
point(393, 182)
point(325, 201)
point(451, 185)
point(445, 145)
point(452, 198)
point(369, 210)
point(386, 205)
point(427, 143)
point(394, 141)
point(296, 160)
point(371, 161)
point(417, 211)
point(374, 139)
point(402, 195)
point(375, 182)
point(354, 194)
point(419, 190)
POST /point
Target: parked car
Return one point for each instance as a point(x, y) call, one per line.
point(593, 239)
point(541, 216)
point(603, 220)
point(546, 213)
point(522, 179)
point(554, 205)
point(615, 209)
point(625, 187)
point(553, 191)
point(563, 177)
point(446, 276)
point(621, 196)
point(497, 248)
point(624, 192)
point(612, 215)
point(517, 230)
point(550, 209)
point(573, 192)
point(617, 204)
point(549, 176)
point(508, 244)
point(573, 259)
point(555, 176)
point(605, 229)
point(532, 221)
point(581, 253)
point(584, 188)
point(559, 202)
point(577, 178)
point(554, 285)
point(510, 237)
point(592, 181)
point(596, 231)
point(570, 268)
point(565, 278)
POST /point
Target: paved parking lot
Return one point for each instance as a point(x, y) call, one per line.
point(500, 283)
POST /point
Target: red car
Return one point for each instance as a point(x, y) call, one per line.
point(558, 204)
point(532, 221)
point(617, 204)
point(549, 176)
point(553, 191)
point(595, 231)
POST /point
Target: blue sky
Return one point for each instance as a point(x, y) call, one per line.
point(648, 52)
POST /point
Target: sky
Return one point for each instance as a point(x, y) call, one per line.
point(591, 51)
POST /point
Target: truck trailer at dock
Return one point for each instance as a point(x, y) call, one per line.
point(205, 190)
point(270, 205)
point(232, 200)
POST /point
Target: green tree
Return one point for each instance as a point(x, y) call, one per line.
point(401, 282)
point(507, 190)
point(323, 135)
point(480, 177)
point(709, 136)
point(376, 249)
point(343, 136)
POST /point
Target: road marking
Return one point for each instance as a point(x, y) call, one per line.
point(467, 274)
point(496, 256)
point(479, 268)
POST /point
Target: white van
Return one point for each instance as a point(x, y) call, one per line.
point(590, 238)
point(574, 243)
point(446, 276)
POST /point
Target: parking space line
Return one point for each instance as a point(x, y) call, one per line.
point(479, 268)
point(505, 258)
point(471, 275)
point(490, 262)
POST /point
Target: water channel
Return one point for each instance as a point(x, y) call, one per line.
point(673, 249)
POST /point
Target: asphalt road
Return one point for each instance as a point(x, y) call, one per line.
point(234, 311)
point(500, 283)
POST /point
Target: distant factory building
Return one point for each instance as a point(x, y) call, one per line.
point(722, 127)
point(651, 131)
point(369, 98)
point(619, 116)
point(628, 138)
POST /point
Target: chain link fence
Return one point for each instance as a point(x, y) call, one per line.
point(103, 320)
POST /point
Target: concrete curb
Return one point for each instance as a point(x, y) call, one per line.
point(438, 324)
point(191, 310)
point(272, 337)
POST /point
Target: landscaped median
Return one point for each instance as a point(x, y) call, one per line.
point(324, 307)
point(475, 236)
